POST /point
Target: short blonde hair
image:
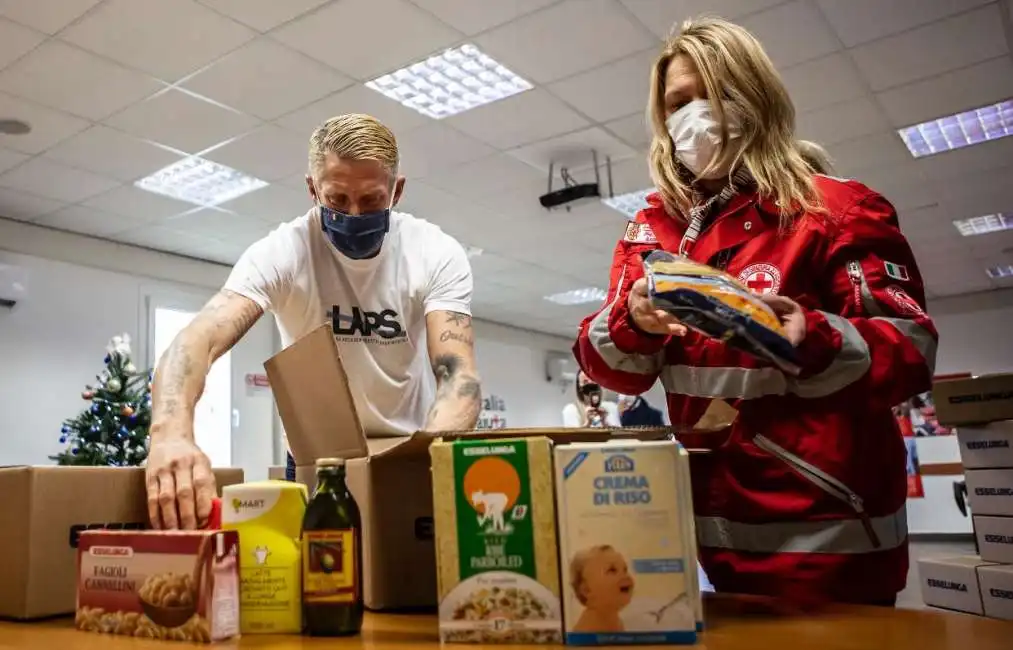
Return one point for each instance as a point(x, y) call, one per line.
point(738, 76)
point(354, 136)
point(577, 566)
point(815, 156)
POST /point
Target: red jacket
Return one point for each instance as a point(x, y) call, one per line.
point(803, 497)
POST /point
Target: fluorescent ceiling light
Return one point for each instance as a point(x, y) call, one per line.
point(199, 181)
point(1000, 272)
point(984, 225)
point(961, 130)
point(630, 203)
point(446, 84)
point(578, 296)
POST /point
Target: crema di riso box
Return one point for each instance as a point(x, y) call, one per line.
point(628, 567)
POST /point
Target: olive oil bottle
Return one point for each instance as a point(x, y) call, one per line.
point(332, 556)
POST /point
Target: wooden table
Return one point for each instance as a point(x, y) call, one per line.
point(732, 625)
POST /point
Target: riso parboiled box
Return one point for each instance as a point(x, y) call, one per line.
point(628, 567)
point(496, 550)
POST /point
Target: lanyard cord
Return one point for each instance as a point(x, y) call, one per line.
point(698, 213)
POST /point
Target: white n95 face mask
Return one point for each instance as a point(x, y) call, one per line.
point(696, 136)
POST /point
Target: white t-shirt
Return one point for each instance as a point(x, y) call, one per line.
point(573, 416)
point(377, 307)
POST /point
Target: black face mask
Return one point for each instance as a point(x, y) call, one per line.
point(358, 237)
point(591, 393)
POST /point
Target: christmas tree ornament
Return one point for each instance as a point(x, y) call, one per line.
point(113, 385)
point(127, 410)
point(96, 408)
point(87, 394)
point(130, 368)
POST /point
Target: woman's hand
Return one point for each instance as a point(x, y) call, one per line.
point(648, 319)
point(791, 314)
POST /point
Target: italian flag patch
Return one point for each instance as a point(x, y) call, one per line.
point(896, 271)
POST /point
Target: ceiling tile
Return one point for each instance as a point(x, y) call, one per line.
point(182, 121)
point(946, 94)
point(217, 224)
point(885, 148)
point(630, 175)
point(10, 158)
point(263, 15)
point(272, 205)
point(50, 179)
point(66, 78)
point(112, 153)
point(160, 238)
point(574, 150)
point(373, 36)
point(48, 17)
point(842, 122)
point(822, 82)
point(25, 207)
point(661, 16)
point(357, 99)
point(567, 38)
point(436, 146)
point(48, 126)
point(861, 21)
point(943, 46)
point(269, 153)
point(631, 129)
point(986, 157)
point(16, 41)
point(88, 221)
point(811, 36)
point(479, 179)
point(132, 201)
point(143, 33)
point(472, 17)
point(518, 120)
point(266, 79)
point(611, 91)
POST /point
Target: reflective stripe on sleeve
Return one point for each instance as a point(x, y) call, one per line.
point(839, 536)
point(614, 358)
point(920, 337)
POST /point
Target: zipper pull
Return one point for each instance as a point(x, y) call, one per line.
point(859, 507)
point(855, 275)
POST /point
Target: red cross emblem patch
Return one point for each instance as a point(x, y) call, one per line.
point(761, 278)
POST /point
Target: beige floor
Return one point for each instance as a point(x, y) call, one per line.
point(911, 598)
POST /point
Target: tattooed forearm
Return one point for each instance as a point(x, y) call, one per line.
point(462, 321)
point(181, 373)
point(458, 396)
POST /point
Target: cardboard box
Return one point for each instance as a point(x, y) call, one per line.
point(995, 538)
point(174, 585)
point(990, 491)
point(44, 509)
point(986, 446)
point(952, 583)
point(389, 477)
point(997, 591)
point(978, 400)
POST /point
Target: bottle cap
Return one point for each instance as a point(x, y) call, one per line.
point(330, 462)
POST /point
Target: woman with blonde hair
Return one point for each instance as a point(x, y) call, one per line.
point(802, 497)
point(815, 156)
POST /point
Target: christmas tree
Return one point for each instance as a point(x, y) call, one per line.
point(113, 430)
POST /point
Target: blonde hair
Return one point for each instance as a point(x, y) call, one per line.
point(354, 136)
point(577, 564)
point(815, 156)
point(738, 76)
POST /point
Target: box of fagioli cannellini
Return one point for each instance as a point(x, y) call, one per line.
point(172, 585)
point(497, 561)
point(627, 545)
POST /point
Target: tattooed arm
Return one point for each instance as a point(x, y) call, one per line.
point(458, 390)
point(180, 484)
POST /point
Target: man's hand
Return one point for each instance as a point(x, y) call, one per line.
point(791, 314)
point(648, 319)
point(179, 482)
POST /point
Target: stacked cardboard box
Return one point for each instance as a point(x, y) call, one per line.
point(981, 409)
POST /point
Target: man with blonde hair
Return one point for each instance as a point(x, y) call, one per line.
point(803, 496)
point(395, 289)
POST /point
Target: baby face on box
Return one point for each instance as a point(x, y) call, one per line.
point(601, 582)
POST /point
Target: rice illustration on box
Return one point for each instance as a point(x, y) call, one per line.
point(496, 550)
point(628, 571)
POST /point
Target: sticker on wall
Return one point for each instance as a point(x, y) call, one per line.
point(493, 415)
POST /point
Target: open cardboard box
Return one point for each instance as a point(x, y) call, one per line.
point(43, 510)
point(388, 476)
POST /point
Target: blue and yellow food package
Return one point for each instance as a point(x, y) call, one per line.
point(717, 305)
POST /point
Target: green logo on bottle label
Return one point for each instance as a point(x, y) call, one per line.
point(494, 531)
